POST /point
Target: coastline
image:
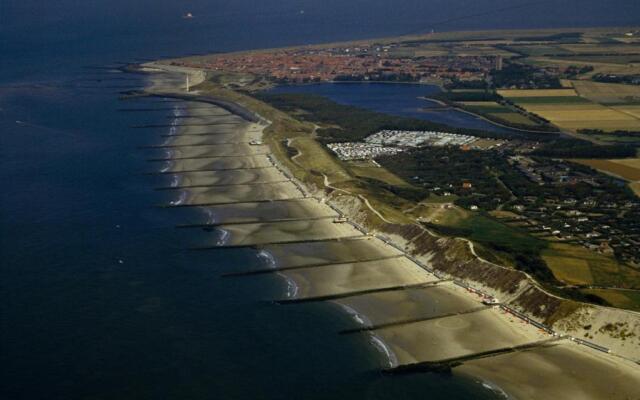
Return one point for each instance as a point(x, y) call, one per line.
point(482, 117)
point(310, 277)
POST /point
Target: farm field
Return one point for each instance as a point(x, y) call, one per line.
point(569, 111)
point(576, 265)
point(608, 93)
point(618, 298)
point(628, 169)
point(528, 93)
point(485, 230)
point(633, 110)
point(514, 118)
point(485, 106)
point(499, 113)
point(600, 65)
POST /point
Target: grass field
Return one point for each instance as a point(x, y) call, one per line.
point(633, 110)
point(528, 93)
point(576, 265)
point(570, 270)
point(514, 118)
point(601, 65)
point(485, 107)
point(498, 113)
point(560, 100)
point(618, 298)
point(368, 169)
point(488, 231)
point(607, 93)
point(600, 48)
point(628, 169)
point(569, 111)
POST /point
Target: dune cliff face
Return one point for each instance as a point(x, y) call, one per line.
point(615, 329)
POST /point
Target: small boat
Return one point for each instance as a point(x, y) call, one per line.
point(187, 16)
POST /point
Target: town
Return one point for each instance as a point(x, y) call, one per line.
point(361, 63)
point(555, 207)
point(544, 196)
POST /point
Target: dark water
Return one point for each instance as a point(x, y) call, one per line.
point(99, 298)
point(396, 99)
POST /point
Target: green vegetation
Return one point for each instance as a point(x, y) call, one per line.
point(550, 100)
point(576, 148)
point(563, 37)
point(618, 298)
point(470, 175)
point(522, 76)
point(518, 120)
point(341, 123)
point(501, 243)
point(467, 95)
point(485, 108)
point(490, 105)
point(611, 78)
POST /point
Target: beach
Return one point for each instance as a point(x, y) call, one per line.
point(414, 316)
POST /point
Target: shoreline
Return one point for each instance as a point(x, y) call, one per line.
point(483, 118)
point(391, 354)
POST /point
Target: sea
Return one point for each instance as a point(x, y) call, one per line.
point(101, 297)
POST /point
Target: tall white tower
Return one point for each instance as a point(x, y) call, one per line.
point(188, 83)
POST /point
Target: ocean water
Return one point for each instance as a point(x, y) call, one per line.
point(99, 296)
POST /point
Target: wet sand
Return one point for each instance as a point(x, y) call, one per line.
point(217, 150)
point(217, 164)
point(233, 177)
point(456, 336)
point(563, 371)
point(328, 252)
point(239, 193)
point(338, 279)
point(285, 231)
point(212, 139)
point(416, 303)
point(264, 212)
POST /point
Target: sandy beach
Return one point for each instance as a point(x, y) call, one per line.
point(398, 306)
point(267, 211)
point(329, 252)
point(240, 193)
point(216, 164)
point(233, 177)
point(564, 371)
point(285, 231)
point(253, 203)
point(337, 279)
point(456, 336)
